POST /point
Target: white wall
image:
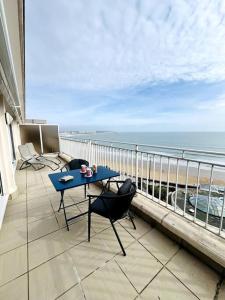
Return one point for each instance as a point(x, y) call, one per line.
point(11, 19)
point(6, 166)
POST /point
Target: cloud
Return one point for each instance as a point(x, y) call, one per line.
point(126, 65)
point(180, 106)
point(100, 44)
point(217, 104)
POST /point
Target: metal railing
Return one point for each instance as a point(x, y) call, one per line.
point(176, 151)
point(192, 188)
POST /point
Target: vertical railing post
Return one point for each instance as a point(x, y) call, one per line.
point(89, 153)
point(186, 188)
point(222, 214)
point(182, 156)
point(209, 196)
point(136, 173)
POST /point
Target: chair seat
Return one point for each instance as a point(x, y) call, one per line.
point(98, 206)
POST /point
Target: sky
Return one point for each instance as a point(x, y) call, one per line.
point(126, 65)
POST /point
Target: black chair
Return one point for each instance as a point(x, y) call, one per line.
point(113, 206)
point(75, 164)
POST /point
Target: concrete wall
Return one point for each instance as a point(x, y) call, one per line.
point(44, 137)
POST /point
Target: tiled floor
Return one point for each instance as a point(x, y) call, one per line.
point(40, 259)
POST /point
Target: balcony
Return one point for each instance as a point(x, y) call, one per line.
point(40, 259)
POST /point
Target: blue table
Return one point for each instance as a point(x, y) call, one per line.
point(78, 180)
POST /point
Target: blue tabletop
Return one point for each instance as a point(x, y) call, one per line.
point(79, 179)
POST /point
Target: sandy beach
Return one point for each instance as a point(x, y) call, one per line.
point(153, 173)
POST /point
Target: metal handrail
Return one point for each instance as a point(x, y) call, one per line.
point(150, 152)
point(190, 150)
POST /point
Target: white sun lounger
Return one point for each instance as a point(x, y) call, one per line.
point(40, 157)
point(31, 160)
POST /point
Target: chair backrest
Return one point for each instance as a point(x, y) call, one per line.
point(24, 152)
point(75, 164)
point(31, 149)
point(121, 202)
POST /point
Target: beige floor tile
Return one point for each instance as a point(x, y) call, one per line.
point(166, 287)
point(16, 220)
point(21, 198)
point(50, 189)
point(77, 194)
point(21, 189)
point(88, 257)
point(12, 237)
point(40, 212)
point(38, 202)
point(34, 183)
point(221, 295)
point(99, 223)
point(40, 193)
point(15, 209)
point(13, 264)
point(78, 232)
point(36, 189)
point(53, 278)
point(142, 227)
point(194, 274)
point(107, 283)
point(78, 191)
point(73, 294)
point(162, 247)
point(15, 290)
point(55, 201)
point(46, 248)
point(70, 213)
point(109, 238)
point(83, 206)
point(42, 227)
point(139, 265)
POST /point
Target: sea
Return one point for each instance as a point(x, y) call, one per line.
point(211, 141)
point(204, 141)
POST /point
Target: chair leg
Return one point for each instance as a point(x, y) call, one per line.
point(85, 191)
point(117, 236)
point(131, 219)
point(89, 225)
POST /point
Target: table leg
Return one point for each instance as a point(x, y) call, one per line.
point(62, 202)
